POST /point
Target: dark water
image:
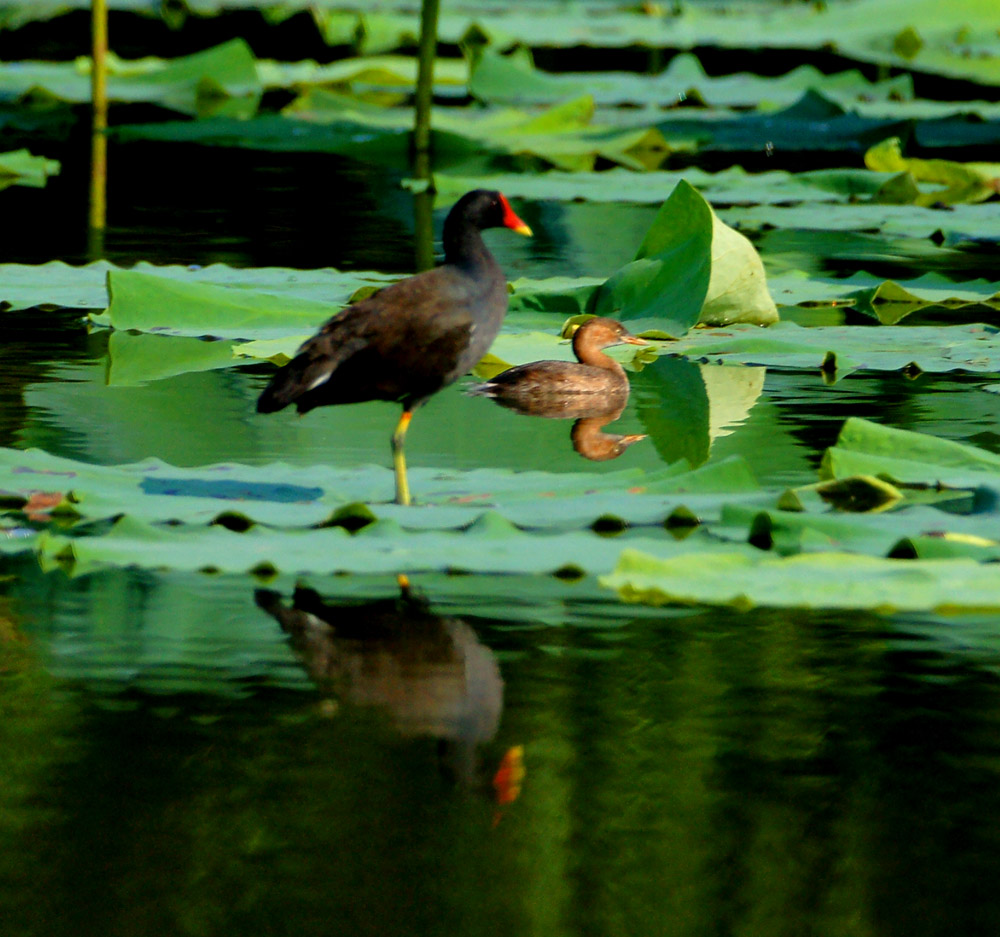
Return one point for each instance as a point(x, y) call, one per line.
point(171, 757)
point(170, 769)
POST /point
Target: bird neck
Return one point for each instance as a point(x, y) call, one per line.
point(586, 353)
point(463, 244)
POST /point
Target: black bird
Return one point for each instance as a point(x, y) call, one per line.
point(412, 338)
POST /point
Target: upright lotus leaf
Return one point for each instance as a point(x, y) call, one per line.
point(20, 167)
point(689, 268)
point(958, 182)
point(809, 580)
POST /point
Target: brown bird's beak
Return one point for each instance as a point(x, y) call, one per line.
point(632, 340)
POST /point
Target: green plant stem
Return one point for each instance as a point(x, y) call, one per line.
point(99, 125)
point(425, 76)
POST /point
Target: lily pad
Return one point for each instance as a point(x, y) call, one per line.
point(839, 350)
point(513, 79)
point(811, 580)
point(57, 284)
point(20, 167)
point(192, 84)
point(323, 121)
point(955, 182)
point(732, 186)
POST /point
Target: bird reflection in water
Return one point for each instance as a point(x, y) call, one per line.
point(593, 390)
point(429, 672)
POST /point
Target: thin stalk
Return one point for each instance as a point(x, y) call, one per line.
point(99, 124)
point(423, 213)
point(425, 76)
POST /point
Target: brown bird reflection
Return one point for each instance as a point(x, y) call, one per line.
point(429, 672)
point(593, 390)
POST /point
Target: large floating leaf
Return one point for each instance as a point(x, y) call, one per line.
point(376, 71)
point(907, 457)
point(281, 495)
point(887, 300)
point(148, 303)
point(955, 224)
point(323, 121)
point(58, 284)
point(732, 186)
point(198, 83)
point(825, 580)
point(689, 267)
point(491, 544)
point(958, 39)
point(22, 168)
point(955, 182)
point(841, 350)
point(513, 79)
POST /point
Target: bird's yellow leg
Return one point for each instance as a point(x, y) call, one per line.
point(399, 459)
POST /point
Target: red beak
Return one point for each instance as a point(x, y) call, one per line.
point(510, 220)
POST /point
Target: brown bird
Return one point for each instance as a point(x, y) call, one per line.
point(412, 338)
point(593, 390)
point(594, 382)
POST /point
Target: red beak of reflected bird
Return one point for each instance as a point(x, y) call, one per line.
point(412, 338)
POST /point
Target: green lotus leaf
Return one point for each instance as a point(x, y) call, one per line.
point(148, 303)
point(690, 267)
point(732, 186)
point(513, 79)
point(58, 284)
point(810, 580)
point(914, 221)
point(956, 182)
point(376, 71)
point(908, 458)
point(282, 496)
point(20, 167)
point(959, 39)
point(324, 121)
point(192, 84)
point(839, 350)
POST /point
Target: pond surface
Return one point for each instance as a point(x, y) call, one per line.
point(172, 757)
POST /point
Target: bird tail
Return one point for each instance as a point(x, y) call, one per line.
point(312, 367)
point(285, 386)
point(486, 389)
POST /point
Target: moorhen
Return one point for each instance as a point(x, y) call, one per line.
point(412, 338)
